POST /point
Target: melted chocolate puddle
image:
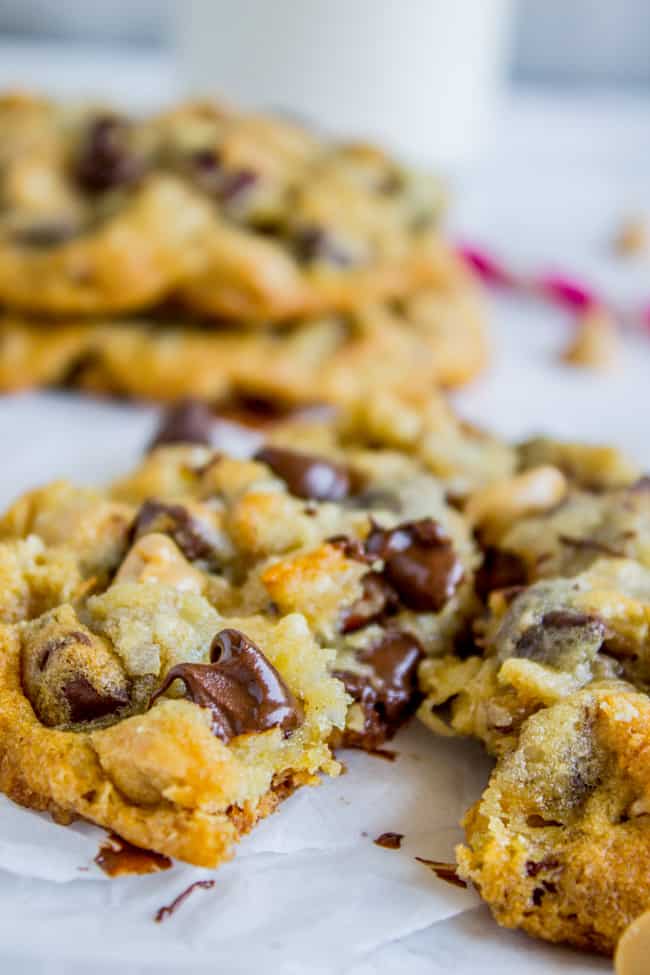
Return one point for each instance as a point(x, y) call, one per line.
point(445, 871)
point(168, 909)
point(119, 858)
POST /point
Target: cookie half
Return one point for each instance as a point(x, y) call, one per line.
point(221, 625)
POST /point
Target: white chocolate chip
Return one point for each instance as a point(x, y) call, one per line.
point(156, 559)
point(495, 507)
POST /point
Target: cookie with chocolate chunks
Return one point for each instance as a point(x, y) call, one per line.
point(219, 627)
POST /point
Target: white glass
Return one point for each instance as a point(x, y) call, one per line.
point(420, 75)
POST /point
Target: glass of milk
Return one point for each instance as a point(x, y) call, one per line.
point(421, 76)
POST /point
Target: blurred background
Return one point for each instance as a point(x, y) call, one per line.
point(558, 42)
point(536, 111)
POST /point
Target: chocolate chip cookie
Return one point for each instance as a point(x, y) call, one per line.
point(213, 628)
point(245, 217)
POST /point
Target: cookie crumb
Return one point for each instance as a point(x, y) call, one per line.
point(632, 237)
point(595, 344)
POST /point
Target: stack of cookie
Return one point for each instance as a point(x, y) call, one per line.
point(211, 253)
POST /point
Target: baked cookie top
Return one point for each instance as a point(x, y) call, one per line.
point(251, 217)
point(212, 628)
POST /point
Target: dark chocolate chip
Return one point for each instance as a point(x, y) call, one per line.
point(307, 476)
point(187, 421)
point(87, 703)
point(316, 244)
point(352, 548)
point(533, 867)
point(259, 411)
point(177, 522)
point(419, 561)
point(389, 694)
point(500, 569)
point(548, 641)
point(106, 161)
point(206, 167)
point(538, 896)
point(242, 689)
point(228, 186)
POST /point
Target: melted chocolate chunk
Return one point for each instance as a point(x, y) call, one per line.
point(169, 909)
point(87, 703)
point(389, 695)
point(444, 871)
point(187, 421)
point(390, 841)
point(419, 562)
point(378, 598)
point(316, 244)
point(499, 570)
point(118, 858)
point(352, 548)
point(307, 476)
point(242, 689)
point(106, 160)
point(177, 522)
point(44, 234)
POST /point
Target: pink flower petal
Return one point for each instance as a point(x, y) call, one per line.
point(484, 266)
point(568, 292)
